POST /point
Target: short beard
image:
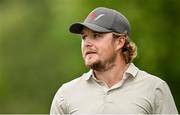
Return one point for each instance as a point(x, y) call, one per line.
point(105, 65)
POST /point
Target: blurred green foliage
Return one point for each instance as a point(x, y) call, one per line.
point(38, 54)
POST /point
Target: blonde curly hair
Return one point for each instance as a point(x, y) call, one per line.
point(129, 50)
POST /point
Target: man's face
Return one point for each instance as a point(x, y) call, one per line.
point(98, 49)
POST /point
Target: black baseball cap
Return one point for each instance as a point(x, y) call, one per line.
point(103, 19)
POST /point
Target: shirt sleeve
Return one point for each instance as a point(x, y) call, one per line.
point(164, 102)
point(58, 106)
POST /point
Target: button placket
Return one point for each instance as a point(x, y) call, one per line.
point(108, 97)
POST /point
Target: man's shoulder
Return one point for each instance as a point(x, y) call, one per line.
point(149, 78)
point(75, 83)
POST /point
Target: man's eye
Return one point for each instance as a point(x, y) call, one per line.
point(83, 37)
point(97, 35)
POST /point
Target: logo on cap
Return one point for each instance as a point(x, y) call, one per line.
point(93, 16)
point(99, 16)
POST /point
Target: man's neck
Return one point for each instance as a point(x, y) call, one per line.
point(113, 75)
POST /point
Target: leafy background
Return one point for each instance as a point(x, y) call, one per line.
point(38, 54)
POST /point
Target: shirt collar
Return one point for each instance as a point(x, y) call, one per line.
point(88, 75)
point(132, 70)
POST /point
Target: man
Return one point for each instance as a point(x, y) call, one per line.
point(113, 85)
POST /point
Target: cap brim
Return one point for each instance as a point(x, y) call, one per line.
point(77, 28)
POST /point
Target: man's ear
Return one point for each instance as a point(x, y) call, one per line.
point(120, 41)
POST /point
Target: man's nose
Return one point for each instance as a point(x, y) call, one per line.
point(87, 42)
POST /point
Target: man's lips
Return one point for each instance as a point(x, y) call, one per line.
point(90, 52)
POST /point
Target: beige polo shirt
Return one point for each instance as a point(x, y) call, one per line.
point(137, 93)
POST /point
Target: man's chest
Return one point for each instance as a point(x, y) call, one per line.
point(109, 102)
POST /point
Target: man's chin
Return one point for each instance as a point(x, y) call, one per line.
point(95, 66)
point(90, 64)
